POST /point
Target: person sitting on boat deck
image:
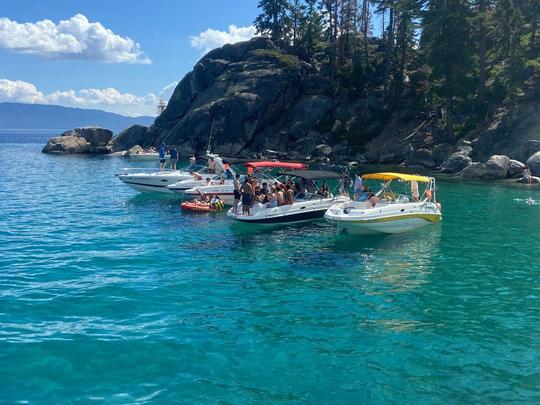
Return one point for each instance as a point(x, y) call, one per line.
point(237, 193)
point(312, 187)
point(257, 193)
point(192, 160)
point(289, 195)
point(208, 181)
point(271, 199)
point(366, 193)
point(264, 189)
point(325, 190)
point(227, 170)
point(211, 165)
point(300, 190)
point(222, 181)
point(196, 176)
point(161, 157)
point(216, 203)
point(174, 157)
point(247, 197)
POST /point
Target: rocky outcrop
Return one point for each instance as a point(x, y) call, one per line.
point(251, 97)
point(515, 168)
point(67, 145)
point(80, 140)
point(496, 167)
point(457, 161)
point(134, 150)
point(134, 135)
point(533, 163)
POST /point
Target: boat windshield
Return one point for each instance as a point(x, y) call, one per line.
point(398, 190)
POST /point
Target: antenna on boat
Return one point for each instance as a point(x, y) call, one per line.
point(210, 137)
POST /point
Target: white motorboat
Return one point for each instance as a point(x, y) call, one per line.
point(145, 181)
point(306, 205)
point(224, 188)
point(144, 156)
point(223, 180)
point(389, 211)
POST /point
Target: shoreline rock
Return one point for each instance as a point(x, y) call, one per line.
point(80, 141)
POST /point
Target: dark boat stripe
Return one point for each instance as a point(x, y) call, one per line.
point(302, 216)
point(147, 185)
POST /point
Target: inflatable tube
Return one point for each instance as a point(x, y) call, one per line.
point(200, 207)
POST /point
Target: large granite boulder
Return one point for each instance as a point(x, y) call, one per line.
point(420, 157)
point(67, 145)
point(457, 161)
point(80, 140)
point(134, 135)
point(533, 163)
point(252, 97)
point(515, 168)
point(496, 167)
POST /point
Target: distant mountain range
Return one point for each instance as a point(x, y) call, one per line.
point(40, 116)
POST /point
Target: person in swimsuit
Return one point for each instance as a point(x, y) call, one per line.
point(289, 195)
point(247, 197)
point(162, 157)
point(237, 193)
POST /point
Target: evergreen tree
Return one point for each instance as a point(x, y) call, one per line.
point(310, 32)
point(273, 20)
point(446, 39)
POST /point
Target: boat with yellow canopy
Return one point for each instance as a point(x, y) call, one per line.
point(404, 202)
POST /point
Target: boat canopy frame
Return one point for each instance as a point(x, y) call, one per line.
point(389, 177)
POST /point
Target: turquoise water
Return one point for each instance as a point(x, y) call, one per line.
point(115, 297)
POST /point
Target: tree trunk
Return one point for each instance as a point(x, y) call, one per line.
point(534, 28)
point(481, 60)
point(389, 50)
point(365, 28)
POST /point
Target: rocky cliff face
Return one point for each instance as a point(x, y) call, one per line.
point(80, 140)
point(251, 97)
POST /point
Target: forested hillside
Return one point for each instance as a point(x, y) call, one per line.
point(454, 58)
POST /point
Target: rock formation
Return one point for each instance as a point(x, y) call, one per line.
point(80, 140)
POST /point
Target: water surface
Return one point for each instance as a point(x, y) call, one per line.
point(110, 296)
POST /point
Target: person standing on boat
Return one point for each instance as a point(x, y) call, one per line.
point(211, 165)
point(174, 157)
point(247, 197)
point(357, 186)
point(237, 193)
point(162, 152)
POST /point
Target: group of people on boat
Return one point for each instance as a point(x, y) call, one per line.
point(253, 190)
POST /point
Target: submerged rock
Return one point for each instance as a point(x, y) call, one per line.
point(80, 140)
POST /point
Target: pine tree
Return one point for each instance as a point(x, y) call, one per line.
point(273, 20)
point(162, 105)
point(310, 32)
point(446, 39)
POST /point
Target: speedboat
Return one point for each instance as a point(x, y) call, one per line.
point(388, 211)
point(145, 181)
point(306, 205)
point(201, 179)
point(146, 156)
point(224, 188)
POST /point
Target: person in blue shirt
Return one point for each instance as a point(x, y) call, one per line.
point(161, 157)
point(174, 157)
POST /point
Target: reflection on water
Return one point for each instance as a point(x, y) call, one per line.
point(111, 294)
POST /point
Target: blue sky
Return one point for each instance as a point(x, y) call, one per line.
point(74, 63)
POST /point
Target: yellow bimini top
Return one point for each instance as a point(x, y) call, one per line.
point(395, 176)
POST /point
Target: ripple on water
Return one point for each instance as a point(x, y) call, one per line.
point(107, 295)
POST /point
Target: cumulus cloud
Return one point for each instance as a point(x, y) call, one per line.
point(211, 39)
point(108, 99)
point(76, 38)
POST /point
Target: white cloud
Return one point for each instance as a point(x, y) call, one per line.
point(211, 39)
point(76, 38)
point(108, 99)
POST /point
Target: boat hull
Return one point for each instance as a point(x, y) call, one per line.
point(390, 226)
point(152, 183)
point(383, 220)
point(300, 211)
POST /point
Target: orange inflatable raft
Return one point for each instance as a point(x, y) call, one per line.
point(201, 207)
